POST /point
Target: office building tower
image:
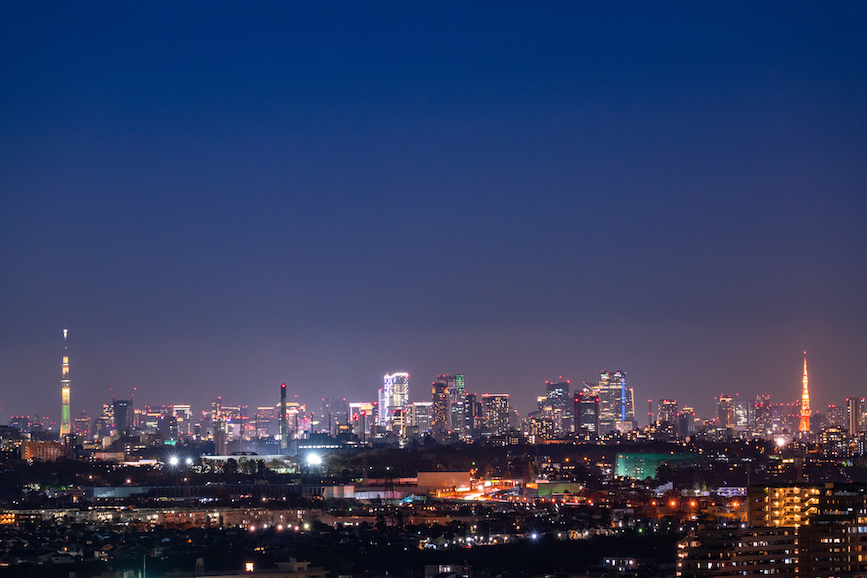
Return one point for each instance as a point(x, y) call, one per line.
point(105, 423)
point(496, 411)
point(853, 415)
point(805, 401)
point(420, 413)
point(20, 422)
point(449, 382)
point(457, 388)
point(837, 416)
point(726, 412)
point(362, 417)
point(184, 417)
point(834, 442)
point(122, 409)
point(440, 406)
point(742, 415)
point(457, 411)
point(284, 425)
point(685, 422)
point(167, 425)
point(629, 422)
point(65, 415)
point(335, 411)
point(558, 392)
point(394, 394)
point(559, 405)
point(667, 412)
point(586, 411)
point(762, 414)
point(614, 403)
point(472, 413)
point(81, 426)
point(221, 438)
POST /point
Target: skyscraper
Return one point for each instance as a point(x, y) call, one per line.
point(685, 421)
point(393, 395)
point(586, 411)
point(420, 415)
point(853, 415)
point(762, 414)
point(557, 404)
point(496, 410)
point(667, 412)
point(65, 415)
point(122, 416)
point(284, 425)
point(440, 409)
point(805, 401)
point(726, 412)
point(614, 400)
point(459, 412)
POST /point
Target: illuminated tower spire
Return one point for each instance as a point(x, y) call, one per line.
point(65, 416)
point(805, 401)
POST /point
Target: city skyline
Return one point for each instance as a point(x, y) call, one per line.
point(417, 394)
point(319, 195)
point(395, 394)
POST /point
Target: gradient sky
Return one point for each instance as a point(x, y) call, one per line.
point(219, 197)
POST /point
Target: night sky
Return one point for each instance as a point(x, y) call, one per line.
point(215, 198)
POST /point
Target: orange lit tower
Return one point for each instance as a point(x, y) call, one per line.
point(805, 401)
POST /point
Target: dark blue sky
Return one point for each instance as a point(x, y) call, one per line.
point(216, 198)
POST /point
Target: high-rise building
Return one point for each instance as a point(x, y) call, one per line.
point(65, 415)
point(20, 422)
point(586, 411)
point(834, 442)
point(742, 415)
point(457, 388)
point(558, 406)
point(667, 412)
point(184, 417)
point(685, 421)
point(335, 411)
point(81, 426)
point(754, 552)
point(853, 415)
point(420, 415)
point(837, 416)
point(394, 394)
point(458, 413)
point(782, 504)
point(496, 410)
point(122, 416)
point(805, 401)
point(615, 403)
point(472, 413)
point(361, 416)
point(726, 412)
point(629, 421)
point(833, 542)
point(440, 406)
point(806, 530)
point(284, 421)
point(762, 414)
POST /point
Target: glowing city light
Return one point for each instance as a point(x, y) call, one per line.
point(314, 460)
